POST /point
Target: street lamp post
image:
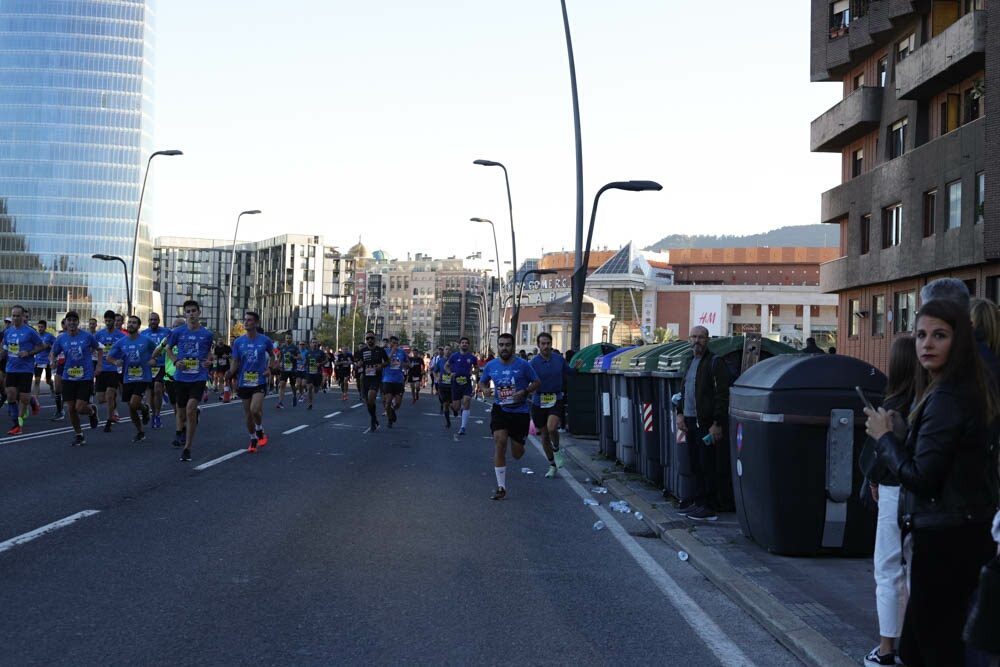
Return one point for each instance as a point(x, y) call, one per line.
point(116, 258)
point(580, 274)
point(496, 249)
point(138, 214)
point(510, 209)
point(232, 266)
point(578, 258)
point(520, 292)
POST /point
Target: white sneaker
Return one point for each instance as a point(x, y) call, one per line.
point(552, 471)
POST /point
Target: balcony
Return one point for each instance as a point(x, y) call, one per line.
point(953, 55)
point(850, 119)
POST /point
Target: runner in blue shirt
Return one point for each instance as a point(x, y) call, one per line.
point(42, 360)
point(443, 380)
point(514, 380)
point(251, 363)
point(548, 404)
point(21, 343)
point(193, 358)
point(459, 366)
point(299, 389)
point(134, 354)
point(313, 360)
point(394, 379)
point(154, 395)
point(108, 378)
point(78, 373)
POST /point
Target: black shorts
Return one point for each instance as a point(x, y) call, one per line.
point(107, 380)
point(168, 388)
point(370, 384)
point(394, 388)
point(158, 372)
point(315, 379)
point(288, 375)
point(541, 415)
point(188, 391)
point(77, 390)
point(344, 374)
point(222, 368)
point(130, 389)
point(43, 369)
point(515, 423)
point(246, 393)
point(20, 381)
point(444, 393)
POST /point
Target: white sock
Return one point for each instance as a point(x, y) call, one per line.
point(465, 418)
point(501, 477)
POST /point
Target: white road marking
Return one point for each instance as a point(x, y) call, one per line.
point(38, 532)
point(356, 405)
point(710, 633)
point(293, 430)
point(332, 414)
point(213, 462)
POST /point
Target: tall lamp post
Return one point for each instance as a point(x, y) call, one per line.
point(232, 266)
point(138, 214)
point(580, 274)
point(496, 249)
point(510, 209)
point(205, 289)
point(116, 258)
point(520, 292)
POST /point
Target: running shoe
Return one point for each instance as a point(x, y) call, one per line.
point(309, 407)
point(114, 417)
point(876, 658)
point(33, 402)
point(279, 406)
point(345, 397)
point(14, 431)
point(374, 426)
point(558, 456)
point(552, 471)
point(145, 413)
point(499, 494)
point(58, 416)
point(156, 423)
point(261, 438)
point(139, 437)
point(107, 426)
point(461, 430)
point(186, 454)
point(204, 397)
point(253, 446)
point(93, 416)
point(178, 441)
point(78, 440)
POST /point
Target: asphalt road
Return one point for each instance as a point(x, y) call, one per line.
point(332, 545)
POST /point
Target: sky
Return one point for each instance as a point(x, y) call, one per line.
point(361, 120)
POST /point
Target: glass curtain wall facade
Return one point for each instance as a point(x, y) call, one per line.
point(75, 131)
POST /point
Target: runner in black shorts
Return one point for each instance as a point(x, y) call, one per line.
point(443, 380)
point(342, 369)
point(313, 359)
point(370, 360)
point(415, 375)
point(288, 353)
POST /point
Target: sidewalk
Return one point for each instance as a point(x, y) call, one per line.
point(822, 609)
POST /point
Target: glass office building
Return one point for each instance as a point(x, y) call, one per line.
point(75, 132)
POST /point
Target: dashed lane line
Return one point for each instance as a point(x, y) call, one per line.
point(48, 528)
point(293, 430)
point(219, 460)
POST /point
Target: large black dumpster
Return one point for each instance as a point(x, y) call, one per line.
point(604, 402)
point(581, 410)
point(647, 420)
point(796, 431)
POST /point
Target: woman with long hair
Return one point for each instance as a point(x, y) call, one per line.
point(948, 491)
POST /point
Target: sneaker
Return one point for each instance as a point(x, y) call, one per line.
point(186, 454)
point(552, 471)
point(279, 406)
point(139, 437)
point(447, 421)
point(685, 506)
point(34, 405)
point(876, 658)
point(345, 397)
point(93, 416)
point(156, 422)
point(58, 417)
point(702, 514)
point(309, 407)
point(374, 426)
point(14, 431)
point(204, 397)
point(261, 439)
point(253, 446)
point(499, 494)
point(78, 440)
point(145, 414)
point(114, 417)
point(107, 426)
point(461, 430)
point(558, 456)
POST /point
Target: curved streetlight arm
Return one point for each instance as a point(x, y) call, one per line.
point(520, 293)
point(232, 266)
point(138, 215)
point(496, 249)
point(510, 209)
point(116, 258)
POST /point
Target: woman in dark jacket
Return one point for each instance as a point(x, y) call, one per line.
point(948, 492)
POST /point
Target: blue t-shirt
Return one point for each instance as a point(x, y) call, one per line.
point(313, 361)
point(15, 341)
point(393, 371)
point(438, 368)
point(253, 355)
point(42, 358)
point(461, 367)
point(79, 362)
point(508, 379)
point(300, 363)
point(157, 337)
point(552, 375)
point(136, 355)
point(193, 348)
point(107, 339)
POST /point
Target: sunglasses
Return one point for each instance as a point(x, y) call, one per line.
point(369, 339)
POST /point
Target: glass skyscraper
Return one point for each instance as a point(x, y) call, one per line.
point(75, 132)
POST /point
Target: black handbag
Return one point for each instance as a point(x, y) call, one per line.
point(984, 618)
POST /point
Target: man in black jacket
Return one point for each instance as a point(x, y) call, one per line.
point(703, 413)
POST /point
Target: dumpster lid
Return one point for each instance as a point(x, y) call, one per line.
point(591, 353)
point(646, 361)
point(602, 363)
point(811, 372)
point(673, 359)
point(620, 362)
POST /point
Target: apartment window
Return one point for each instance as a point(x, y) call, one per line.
point(905, 47)
point(878, 315)
point(950, 113)
point(904, 312)
point(853, 310)
point(980, 197)
point(866, 233)
point(840, 17)
point(971, 105)
point(930, 206)
point(883, 68)
point(892, 225)
point(993, 288)
point(954, 215)
point(897, 138)
point(857, 162)
point(859, 81)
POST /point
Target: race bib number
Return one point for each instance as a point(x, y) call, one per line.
point(41, 365)
point(548, 400)
point(288, 367)
point(505, 395)
point(461, 379)
point(156, 370)
point(107, 348)
point(395, 363)
point(189, 365)
point(135, 372)
point(445, 378)
point(76, 372)
point(13, 348)
point(313, 367)
point(251, 379)
point(369, 370)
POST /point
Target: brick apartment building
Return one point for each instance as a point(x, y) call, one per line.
point(916, 145)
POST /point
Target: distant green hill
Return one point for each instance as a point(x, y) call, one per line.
point(808, 236)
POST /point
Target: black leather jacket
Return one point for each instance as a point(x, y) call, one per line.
point(945, 468)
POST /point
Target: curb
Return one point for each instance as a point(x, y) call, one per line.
point(785, 626)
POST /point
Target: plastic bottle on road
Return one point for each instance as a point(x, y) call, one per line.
point(598, 525)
